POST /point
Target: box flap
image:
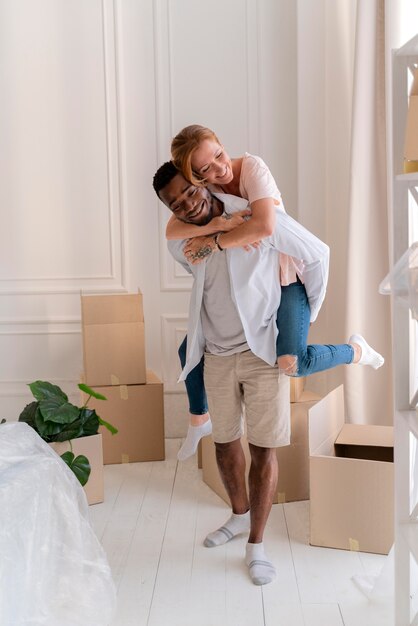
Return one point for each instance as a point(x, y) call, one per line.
point(326, 418)
point(366, 435)
point(114, 308)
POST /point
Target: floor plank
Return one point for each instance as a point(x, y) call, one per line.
point(152, 526)
point(321, 614)
point(324, 575)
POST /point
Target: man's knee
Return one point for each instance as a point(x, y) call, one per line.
point(230, 448)
point(262, 456)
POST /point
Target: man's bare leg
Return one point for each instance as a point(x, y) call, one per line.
point(231, 464)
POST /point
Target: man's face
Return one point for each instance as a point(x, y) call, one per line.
point(188, 203)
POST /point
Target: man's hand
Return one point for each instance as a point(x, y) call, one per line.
point(197, 249)
point(228, 221)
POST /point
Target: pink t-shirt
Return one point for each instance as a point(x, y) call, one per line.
point(256, 182)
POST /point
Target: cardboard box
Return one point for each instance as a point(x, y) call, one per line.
point(411, 132)
point(92, 448)
point(293, 483)
point(113, 340)
point(137, 411)
point(297, 385)
point(351, 480)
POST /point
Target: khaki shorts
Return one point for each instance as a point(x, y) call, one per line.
point(243, 380)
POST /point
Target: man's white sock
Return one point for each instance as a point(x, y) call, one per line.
point(262, 571)
point(368, 355)
point(235, 525)
point(194, 435)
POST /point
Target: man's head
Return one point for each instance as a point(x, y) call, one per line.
point(189, 203)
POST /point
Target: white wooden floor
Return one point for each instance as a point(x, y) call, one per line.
point(152, 524)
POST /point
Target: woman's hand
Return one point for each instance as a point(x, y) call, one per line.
point(199, 248)
point(228, 221)
point(255, 244)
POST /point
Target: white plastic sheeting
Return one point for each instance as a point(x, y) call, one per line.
point(381, 587)
point(53, 570)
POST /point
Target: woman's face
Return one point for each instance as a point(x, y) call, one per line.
point(211, 162)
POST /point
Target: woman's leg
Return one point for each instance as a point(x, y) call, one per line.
point(195, 386)
point(297, 358)
point(200, 424)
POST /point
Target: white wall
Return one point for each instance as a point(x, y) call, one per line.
point(92, 93)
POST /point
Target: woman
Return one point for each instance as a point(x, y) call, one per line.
point(201, 158)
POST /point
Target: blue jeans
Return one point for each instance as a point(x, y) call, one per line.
point(293, 318)
point(195, 386)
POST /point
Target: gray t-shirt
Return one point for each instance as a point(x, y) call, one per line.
point(221, 324)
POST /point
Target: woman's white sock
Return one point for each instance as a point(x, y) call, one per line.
point(235, 525)
point(194, 435)
point(368, 355)
point(262, 571)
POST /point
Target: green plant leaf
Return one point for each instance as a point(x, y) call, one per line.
point(112, 429)
point(28, 414)
point(68, 431)
point(79, 465)
point(89, 421)
point(42, 390)
point(68, 457)
point(47, 430)
point(58, 410)
point(91, 392)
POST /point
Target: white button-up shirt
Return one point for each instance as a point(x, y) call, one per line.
point(255, 287)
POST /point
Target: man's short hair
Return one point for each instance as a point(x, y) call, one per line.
point(163, 176)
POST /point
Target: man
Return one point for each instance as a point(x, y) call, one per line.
point(232, 316)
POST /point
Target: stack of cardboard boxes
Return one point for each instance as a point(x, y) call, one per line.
point(114, 364)
point(346, 470)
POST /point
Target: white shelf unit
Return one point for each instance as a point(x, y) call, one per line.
point(403, 195)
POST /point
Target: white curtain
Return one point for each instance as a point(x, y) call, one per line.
point(342, 188)
point(368, 393)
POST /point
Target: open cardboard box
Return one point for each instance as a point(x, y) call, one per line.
point(351, 480)
point(137, 411)
point(113, 339)
point(293, 483)
point(91, 447)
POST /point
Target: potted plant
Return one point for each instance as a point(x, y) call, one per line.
point(57, 420)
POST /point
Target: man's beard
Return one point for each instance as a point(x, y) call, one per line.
point(215, 204)
point(208, 217)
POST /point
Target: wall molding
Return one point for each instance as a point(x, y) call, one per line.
point(41, 326)
point(172, 276)
point(115, 281)
point(18, 388)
